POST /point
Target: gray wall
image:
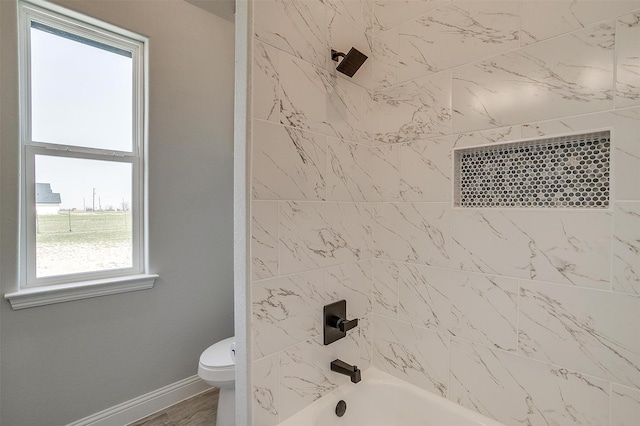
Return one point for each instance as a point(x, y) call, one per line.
point(66, 361)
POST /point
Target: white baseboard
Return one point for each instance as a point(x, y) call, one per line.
point(145, 405)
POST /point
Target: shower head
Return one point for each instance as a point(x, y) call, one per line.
point(351, 62)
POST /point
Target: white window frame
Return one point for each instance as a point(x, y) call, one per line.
point(34, 291)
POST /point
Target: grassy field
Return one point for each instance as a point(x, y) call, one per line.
point(83, 241)
point(84, 227)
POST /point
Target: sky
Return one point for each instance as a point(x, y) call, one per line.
point(81, 96)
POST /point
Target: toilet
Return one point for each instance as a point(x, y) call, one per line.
point(217, 368)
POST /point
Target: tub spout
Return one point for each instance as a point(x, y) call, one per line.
point(342, 367)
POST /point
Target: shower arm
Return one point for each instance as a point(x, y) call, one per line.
point(335, 55)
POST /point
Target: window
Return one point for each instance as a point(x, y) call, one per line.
point(82, 93)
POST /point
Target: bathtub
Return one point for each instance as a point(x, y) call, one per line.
point(383, 400)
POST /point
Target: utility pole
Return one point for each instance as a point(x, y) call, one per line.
point(93, 207)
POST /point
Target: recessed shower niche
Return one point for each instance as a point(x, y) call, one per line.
point(559, 172)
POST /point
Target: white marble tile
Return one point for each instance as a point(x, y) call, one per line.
point(425, 169)
point(625, 144)
point(264, 239)
point(315, 235)
point(361, 173)
point(414, 232)
point(541, 20)
point(456, 34)
point(487, 137)
point(413, 110)
point(345, 109)
point(305, 373)
point(625, 406)
point(628, 60)
point(288, 163)
point(390, 13)
point(367, 216)
point(558, 246)
point(352, 10)
point(266, 83)
point(385, 55)
point(411, 353)
point(365, 324)
point(286, 310)
point(565, 76)
point(305, 376)
point(386, 278)
point(520, 391)
point(296, 27)
point(591, 331)
point(344, 34)
point(266, 380)
point(353, 283)
point(626, 248)
point(476, 307)
point(313, 99)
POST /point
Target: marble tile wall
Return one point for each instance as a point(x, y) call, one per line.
point(314, 170)
point(528, 316)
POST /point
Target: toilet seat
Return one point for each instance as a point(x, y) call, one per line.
point(217, 363)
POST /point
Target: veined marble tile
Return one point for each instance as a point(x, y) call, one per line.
point(305, 373)
point(414, 232)
point(286, 310)
point(626, 248)
point(360, 172)
point(352, 282)
point(520, 391)
point(425, 169)
point(390, 13)
point(628, 60)
point(365, 324)
point(480, 308)
point(266, 379)
point(386, 278)
point(296, 27)
point(456, 34)
point(367, 216)
point(625, 405)
point(541, 20)
point(352, 10)
point(342, 36)
point(288, 163)
point(266, 83)
point(487, 137)
point(411, 353)
point(591, 331)
point(385, 55)
point(264, 239)
point(558, 246)
point(625, 144)
point(316, 235)
point(313, 99)
point(565, 76)
point(413, 110)
point(426, 165)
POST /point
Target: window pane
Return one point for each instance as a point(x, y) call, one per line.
point(83, 215)
point(82, 94)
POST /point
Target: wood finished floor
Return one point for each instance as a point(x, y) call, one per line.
point(200, 410)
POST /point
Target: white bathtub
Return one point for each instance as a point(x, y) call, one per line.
point(383, 400)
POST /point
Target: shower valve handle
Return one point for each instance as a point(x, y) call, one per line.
point(344, 325)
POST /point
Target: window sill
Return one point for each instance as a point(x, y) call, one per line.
point(47, 295)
